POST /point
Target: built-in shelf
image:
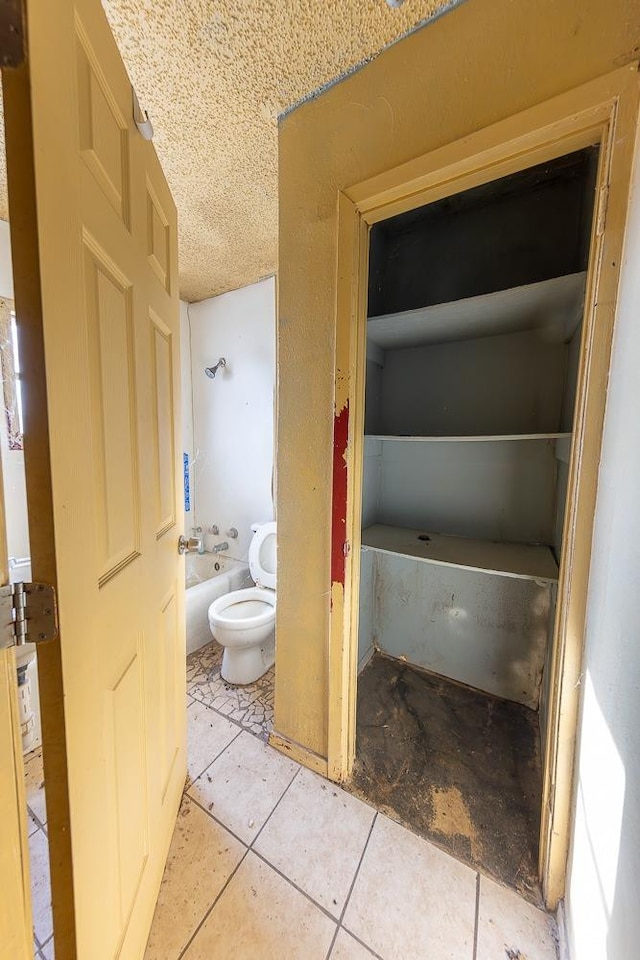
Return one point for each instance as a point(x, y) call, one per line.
point(519, 560)
point(555, 304)
point(473, 439)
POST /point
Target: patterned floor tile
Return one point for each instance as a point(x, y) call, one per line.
point(251, 706)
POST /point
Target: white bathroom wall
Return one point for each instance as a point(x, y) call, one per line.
point(233, 414)
point(604, 864)
point(187, 410)
point(12, 460)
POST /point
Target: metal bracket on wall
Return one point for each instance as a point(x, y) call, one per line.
point(28, 614)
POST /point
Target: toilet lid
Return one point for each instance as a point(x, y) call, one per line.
point(262, 556)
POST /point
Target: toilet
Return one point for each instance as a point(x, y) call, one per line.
point(243, 622)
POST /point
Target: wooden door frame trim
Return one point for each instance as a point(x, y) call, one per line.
point(16, 88)
point(602, 112)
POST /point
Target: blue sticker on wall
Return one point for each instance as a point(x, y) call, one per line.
point(187, 496)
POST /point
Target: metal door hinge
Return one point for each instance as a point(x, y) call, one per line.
point(28, 614)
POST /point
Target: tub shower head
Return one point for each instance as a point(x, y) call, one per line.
point(211, 371)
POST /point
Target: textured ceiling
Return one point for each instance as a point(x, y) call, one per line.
point(214, 76)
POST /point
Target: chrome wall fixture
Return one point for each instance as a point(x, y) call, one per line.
point(211, 371)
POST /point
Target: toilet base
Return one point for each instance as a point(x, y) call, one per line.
point(246, 664)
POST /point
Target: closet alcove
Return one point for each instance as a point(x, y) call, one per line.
point(474, 331)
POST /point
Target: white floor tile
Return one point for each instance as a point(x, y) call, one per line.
point(346, 948)
point(411, 900)
point(244, 784)
point(47, 951)
point(202, 857)
point(34, 785)
point(316, 838)
point(260, 916)
point(207, 735)
point(508, 926)
point(40, 886)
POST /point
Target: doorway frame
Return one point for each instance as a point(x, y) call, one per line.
point(604, 113)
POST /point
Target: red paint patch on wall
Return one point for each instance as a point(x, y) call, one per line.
point(339, 498)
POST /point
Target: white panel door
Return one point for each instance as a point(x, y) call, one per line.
point(107, 265)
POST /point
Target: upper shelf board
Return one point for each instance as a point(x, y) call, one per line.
point(520, 560)
point(554, 306)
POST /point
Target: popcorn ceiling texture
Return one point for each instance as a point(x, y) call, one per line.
point(214, 77)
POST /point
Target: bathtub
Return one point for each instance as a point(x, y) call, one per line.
point(207, 577)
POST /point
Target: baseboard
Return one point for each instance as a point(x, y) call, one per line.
point(299, 753)
point(564, 950)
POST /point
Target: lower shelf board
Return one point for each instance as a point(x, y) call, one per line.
point(520, 560)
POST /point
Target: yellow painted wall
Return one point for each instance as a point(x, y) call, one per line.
point(480, 63)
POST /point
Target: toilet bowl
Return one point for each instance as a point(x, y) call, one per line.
point(243, 622)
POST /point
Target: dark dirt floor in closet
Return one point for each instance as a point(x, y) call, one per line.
point(456, 766)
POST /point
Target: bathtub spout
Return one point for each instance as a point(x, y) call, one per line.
point(220, 547)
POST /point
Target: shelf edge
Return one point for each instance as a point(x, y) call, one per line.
point(464, 566)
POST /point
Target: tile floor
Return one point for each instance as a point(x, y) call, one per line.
point(39, 857)
point(250, 706)
point(271, 862)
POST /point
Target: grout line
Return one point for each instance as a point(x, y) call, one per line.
point(241, 861)
point(355, 876)
point(284, 792)
point(238, 723)
point(208, 912)
point(198, 699)
point(217, 757)
point(40, 825)
point(295, 886)
point(271, 866)
point(477, 918)
point(366, 946)
point(224, 826)
point(348, 897)
point(213, 817)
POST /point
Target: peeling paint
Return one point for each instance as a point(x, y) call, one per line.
point(339, 497)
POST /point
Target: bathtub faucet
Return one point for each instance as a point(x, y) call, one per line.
point(220, 547)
